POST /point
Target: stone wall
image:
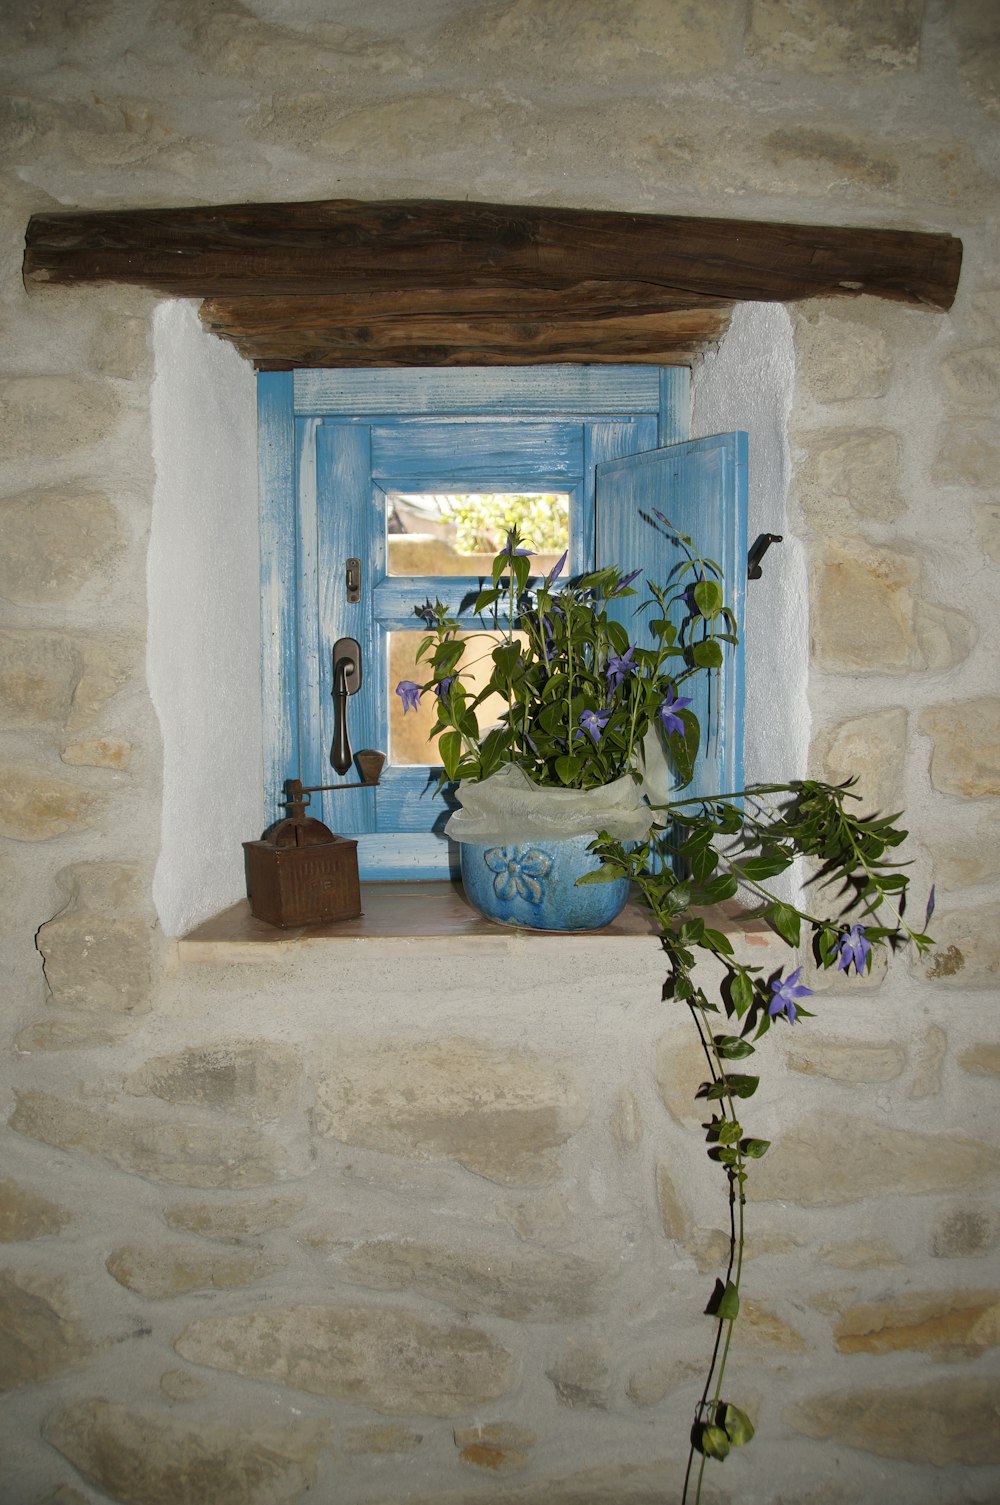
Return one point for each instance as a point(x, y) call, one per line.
point(429, 1220)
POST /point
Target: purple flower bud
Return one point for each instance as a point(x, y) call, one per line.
point(409, 694)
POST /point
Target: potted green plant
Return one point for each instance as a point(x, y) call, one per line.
point(586, 708)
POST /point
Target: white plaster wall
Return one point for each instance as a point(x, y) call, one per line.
point(747, 383)
point(203, 644)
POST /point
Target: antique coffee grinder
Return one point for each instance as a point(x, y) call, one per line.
point(299, 872)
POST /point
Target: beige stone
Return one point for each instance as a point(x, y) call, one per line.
point(499, 1112)
point(181, 1384)
point(98, 952)
point(160, 1460)
point(673, 1215)
point(109, 663)
point(81, 1033)
point(710, 1248)
point(828, 1160)
point(966, 953)
point(987, 519)
point(945, 1421)
point(387, 1359)
point(37, 806)
point(258, 1078)
point(580, 1376)
point(981, 1060)
point(948, 1325)
point(179, 1152)
point(974, 375)
point(654, 1378)
point(619, 1484)
point(681, 1069)
point(45, 417)
point(929, 1073)
point(829, 36)
point(859, 1254)
point(977, 37)
point(842, 358)
point(41, 1334)
point(378, 1440)
point(543, 1220)
point(964, 845)
point(758, 1329)
point(867, 616)
point(26, 1215)
point(175, 1269)
point(247, 1218)
point(65, 1494)
point(870, 749)
point(819, 158)
point(38, 676)
point(499, 1447)
point(521, 1285)
point(55, 541)
point(850, 1061)
point(965, 754)
point(626, 1122)
point(847, 474)
point(98, 752)
point(968, 453)
point(966, 1231)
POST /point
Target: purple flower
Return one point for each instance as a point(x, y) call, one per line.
point(509, 551)
point(426, 613)
point(854, 947)
point(594, 722)
point(623, 583)
point(668, 711)
point(409, 694)
point(443, 686)
point(930, 906)
point(557, 568)
point(620, 666)
point(786, 991)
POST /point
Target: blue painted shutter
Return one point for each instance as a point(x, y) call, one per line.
point(701, 486)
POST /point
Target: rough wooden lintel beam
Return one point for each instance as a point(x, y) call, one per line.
point(435, 282)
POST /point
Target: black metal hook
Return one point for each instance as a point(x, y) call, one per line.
point(758, 549)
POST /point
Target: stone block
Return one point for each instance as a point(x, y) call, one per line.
point(968, 453)
point(673, 1214)
point(176, 1269)
point(97, 953)
point(82, 1033)
point(841, 359)
point(521, 1285)
point(499, 1112)
point(940, 1422)
point(867, 616)
point(986, 516)
point(829, 1160)
point(379, 1440)
point(98, 752)
point(966, 1231)
point(928, 1075)
point(976, 36)
point(626, 1122)
point(681, 1068)
point(964, 844)
point(259, 1079)
point(499, 1447)
point(816, 159)
point(974, 375)
point(109, 664)
point(39, 672)
point(54, 542)
point(981, 1060)
point(870, 749)
point(967, 948)
point(247, 1218)
point(859, 1254)
point(387, 1359)
point(177, 1151)
point(26, 1215)
point(965, 752)
point(47, 417)
point(945, 1324)
point(853, 1062)
point(621, 1483)
point(182, 1385)
point(847, 474)
point(148, 1459)
point(580, 1376)
point(41, 1334)
point(37, 806)
point(867, 37)
point(759, 1329)
point(544, 1219)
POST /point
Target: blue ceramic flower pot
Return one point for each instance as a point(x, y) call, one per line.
point(532, 884)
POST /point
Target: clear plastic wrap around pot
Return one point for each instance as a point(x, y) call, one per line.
point(510, 807)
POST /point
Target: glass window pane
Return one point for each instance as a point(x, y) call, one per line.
point(408, 733)
point(433, 533)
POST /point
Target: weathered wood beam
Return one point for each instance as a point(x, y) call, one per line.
point(350, 246)
point(491, 327)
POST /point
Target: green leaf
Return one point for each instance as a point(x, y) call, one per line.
point(740, 1084)
point(567, 768)
point(450, 748)
point(731, 1047)
point(608, 872)
point(728, 1308)
point(708, 597)
point(707, 654)
point(741, 993)
point(786, 922)
point(755, 1148)
point(713, 1442)
point(739, 1427)
point(728, 1132)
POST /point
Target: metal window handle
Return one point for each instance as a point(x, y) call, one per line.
point(346, 681)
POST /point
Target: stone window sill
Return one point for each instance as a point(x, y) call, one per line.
point(434, 912)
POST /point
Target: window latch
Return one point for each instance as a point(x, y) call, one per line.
point(757, 551)
point(352, 579)
point(346, 681)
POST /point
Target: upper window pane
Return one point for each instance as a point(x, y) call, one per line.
point(452, 533)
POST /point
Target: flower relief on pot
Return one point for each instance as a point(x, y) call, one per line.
point(557, 785)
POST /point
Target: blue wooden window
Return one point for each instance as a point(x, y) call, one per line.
point(335, 445)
